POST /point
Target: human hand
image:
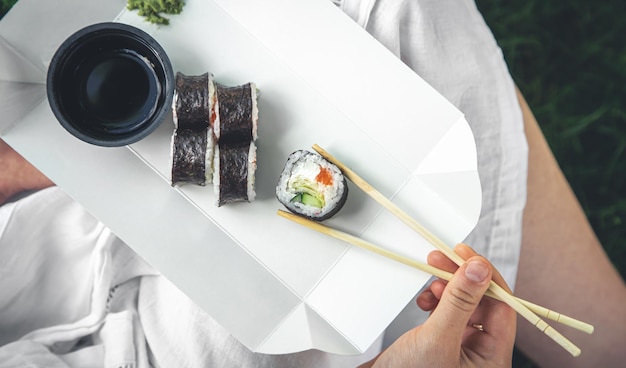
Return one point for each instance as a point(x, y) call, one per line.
point(17, 174)
point(447, 338)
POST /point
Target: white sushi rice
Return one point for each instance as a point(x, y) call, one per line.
point(217, 176)
point(208, 159)
point(251, 172)
point(174, 112)
point(255, 110)
point(210, 139)
point(304, 165)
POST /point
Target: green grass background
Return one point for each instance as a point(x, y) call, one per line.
point(569, 60)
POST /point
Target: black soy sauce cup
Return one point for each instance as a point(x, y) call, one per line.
point(110, 84)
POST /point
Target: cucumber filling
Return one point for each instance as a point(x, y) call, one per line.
point(307, 192)
point(307, 199)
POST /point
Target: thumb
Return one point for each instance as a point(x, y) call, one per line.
point(461, 297)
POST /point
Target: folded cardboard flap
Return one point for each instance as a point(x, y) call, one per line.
point(15, 67)
point(17, 100)
point(37, 28)
point(21, 85)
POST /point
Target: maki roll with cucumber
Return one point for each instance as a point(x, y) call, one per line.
point(311, 186)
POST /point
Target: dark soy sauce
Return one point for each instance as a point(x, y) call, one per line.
point(110, 84)
point(118, 90)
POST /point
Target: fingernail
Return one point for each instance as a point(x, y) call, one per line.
point(429, 296)
point(476, 271)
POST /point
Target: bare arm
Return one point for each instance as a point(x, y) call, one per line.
point(563, 267)
point(17, 174)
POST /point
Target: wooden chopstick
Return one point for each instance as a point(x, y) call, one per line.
point(498, 291)
point(351, 239)
point(439, 244)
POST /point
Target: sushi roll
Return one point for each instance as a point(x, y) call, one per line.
point(192, 157)
point(235, 113)
point(311, 186)
point(193, 140)
point(235, 167)
point(234, 117)
point(190, 106)
point(214, 136)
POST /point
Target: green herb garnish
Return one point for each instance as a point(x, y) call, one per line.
point(152, 10)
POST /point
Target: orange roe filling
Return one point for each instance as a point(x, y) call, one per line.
point(213, 115)
point(324, 176)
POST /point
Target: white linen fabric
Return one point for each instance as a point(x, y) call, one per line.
point(74, 295)
point(69, 288)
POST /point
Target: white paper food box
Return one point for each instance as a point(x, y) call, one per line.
point(276, 286)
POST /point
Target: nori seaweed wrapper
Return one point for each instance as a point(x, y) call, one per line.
point(233, 172)
point(235, 109)
point(189, 157)
point(192, 102)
